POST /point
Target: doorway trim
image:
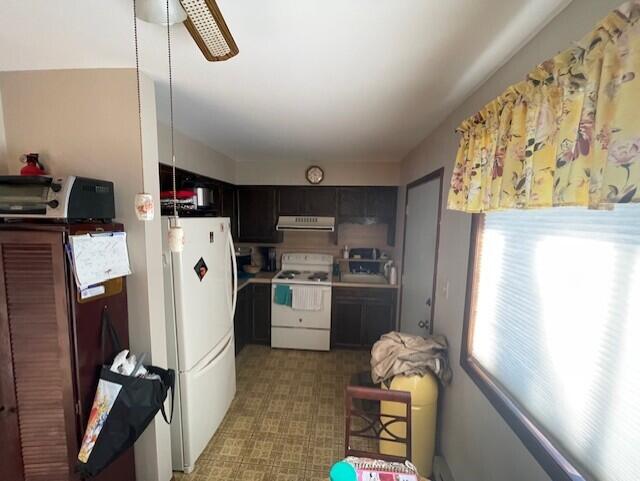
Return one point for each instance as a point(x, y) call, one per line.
point(436, 174)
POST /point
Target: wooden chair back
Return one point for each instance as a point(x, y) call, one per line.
point(376, 425)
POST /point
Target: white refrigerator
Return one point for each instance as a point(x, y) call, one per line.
point(200, 296)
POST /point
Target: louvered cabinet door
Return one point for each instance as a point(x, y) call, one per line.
point(33, 306)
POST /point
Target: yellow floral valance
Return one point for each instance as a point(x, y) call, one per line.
point(568, 135)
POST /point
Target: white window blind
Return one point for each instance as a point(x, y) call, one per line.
point(557, 325)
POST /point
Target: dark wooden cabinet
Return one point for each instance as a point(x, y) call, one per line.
point(352, 202)
point(359, 316)
point(242, 319)
point(346, 322)
point(252, 321)
point(381, 202)
point(369, 205)
point(320, 201)
point(256, 211)
point(291, 201)
point(261, 315)
point(316, 201)
point(51, 354)
point(228, 206)
point(379, 318)
point(370, 202)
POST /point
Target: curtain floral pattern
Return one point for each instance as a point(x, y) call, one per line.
point(568, 135)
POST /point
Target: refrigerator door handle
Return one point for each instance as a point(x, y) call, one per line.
point(232, 251)
point(199, 370)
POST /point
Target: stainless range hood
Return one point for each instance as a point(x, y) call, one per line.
point(305, 223)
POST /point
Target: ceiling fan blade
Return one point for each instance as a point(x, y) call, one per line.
point(209, 30)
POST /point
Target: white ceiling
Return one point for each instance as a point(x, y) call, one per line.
point(331, 80)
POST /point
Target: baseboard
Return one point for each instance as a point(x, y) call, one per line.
point(441, 471)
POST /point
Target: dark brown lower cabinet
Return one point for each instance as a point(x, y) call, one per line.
point(252, 321)
point(359, 316)
point(50, 356)
point(241, 321)
point(261, 322)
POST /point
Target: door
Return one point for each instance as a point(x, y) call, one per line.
point(38, 431)
point(422, 224)
point(201, 287)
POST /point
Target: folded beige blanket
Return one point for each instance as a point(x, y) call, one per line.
point(397, 353)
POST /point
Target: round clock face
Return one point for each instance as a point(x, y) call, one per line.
point(315, 174)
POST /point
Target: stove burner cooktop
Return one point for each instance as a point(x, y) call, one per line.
point(288, 274)
point(318, 276)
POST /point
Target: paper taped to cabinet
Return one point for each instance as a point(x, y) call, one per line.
point(98, 258)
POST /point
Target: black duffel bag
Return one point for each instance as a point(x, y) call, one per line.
point(122, 409)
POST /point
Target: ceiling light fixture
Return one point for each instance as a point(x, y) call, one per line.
point(209, 30)
point(154, 11)
point(203, 20)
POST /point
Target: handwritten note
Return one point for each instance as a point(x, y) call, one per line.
point(99, 257)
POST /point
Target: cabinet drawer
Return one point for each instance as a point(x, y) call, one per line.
point(381, 295)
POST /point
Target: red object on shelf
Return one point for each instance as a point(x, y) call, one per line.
point(180, 194)
point(33, 167)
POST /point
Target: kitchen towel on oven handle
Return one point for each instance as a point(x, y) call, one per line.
point(282, 295)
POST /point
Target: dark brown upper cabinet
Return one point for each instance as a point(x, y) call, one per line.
point(228, 206)
point(352, 202)
point(381, 201)
point(318, 201)
point(257, 214)
point(373, 202)
point(369, 205)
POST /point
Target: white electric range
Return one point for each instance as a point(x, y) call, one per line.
point(303, 325)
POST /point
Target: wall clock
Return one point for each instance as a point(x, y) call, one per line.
point(315, 174)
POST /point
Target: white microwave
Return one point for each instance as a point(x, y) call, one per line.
point(68, 198)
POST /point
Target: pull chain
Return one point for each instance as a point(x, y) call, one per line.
point(173, 152)
point(143, 201)
point(176, 234)
point(135, 41)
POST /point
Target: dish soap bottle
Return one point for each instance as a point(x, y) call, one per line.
point(345, 252)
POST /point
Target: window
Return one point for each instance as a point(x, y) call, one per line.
point(552, 334)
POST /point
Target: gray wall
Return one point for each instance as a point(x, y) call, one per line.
point(477, 443)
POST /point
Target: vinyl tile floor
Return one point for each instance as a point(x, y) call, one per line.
point(286, 422)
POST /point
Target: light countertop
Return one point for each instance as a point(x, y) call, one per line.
point(259, 278)
point(335, 282)
point(265, 278)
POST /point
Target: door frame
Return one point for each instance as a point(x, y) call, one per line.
point(436, 174)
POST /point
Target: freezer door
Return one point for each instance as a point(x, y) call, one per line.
point(206, 393)
point(202, 286)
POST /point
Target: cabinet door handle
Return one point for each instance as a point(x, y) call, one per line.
point(422, 324)
point(7, 410)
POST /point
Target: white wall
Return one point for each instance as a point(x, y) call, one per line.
point(336, 173)
point(85, 122)
point(195, 156)
point(477, 443)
